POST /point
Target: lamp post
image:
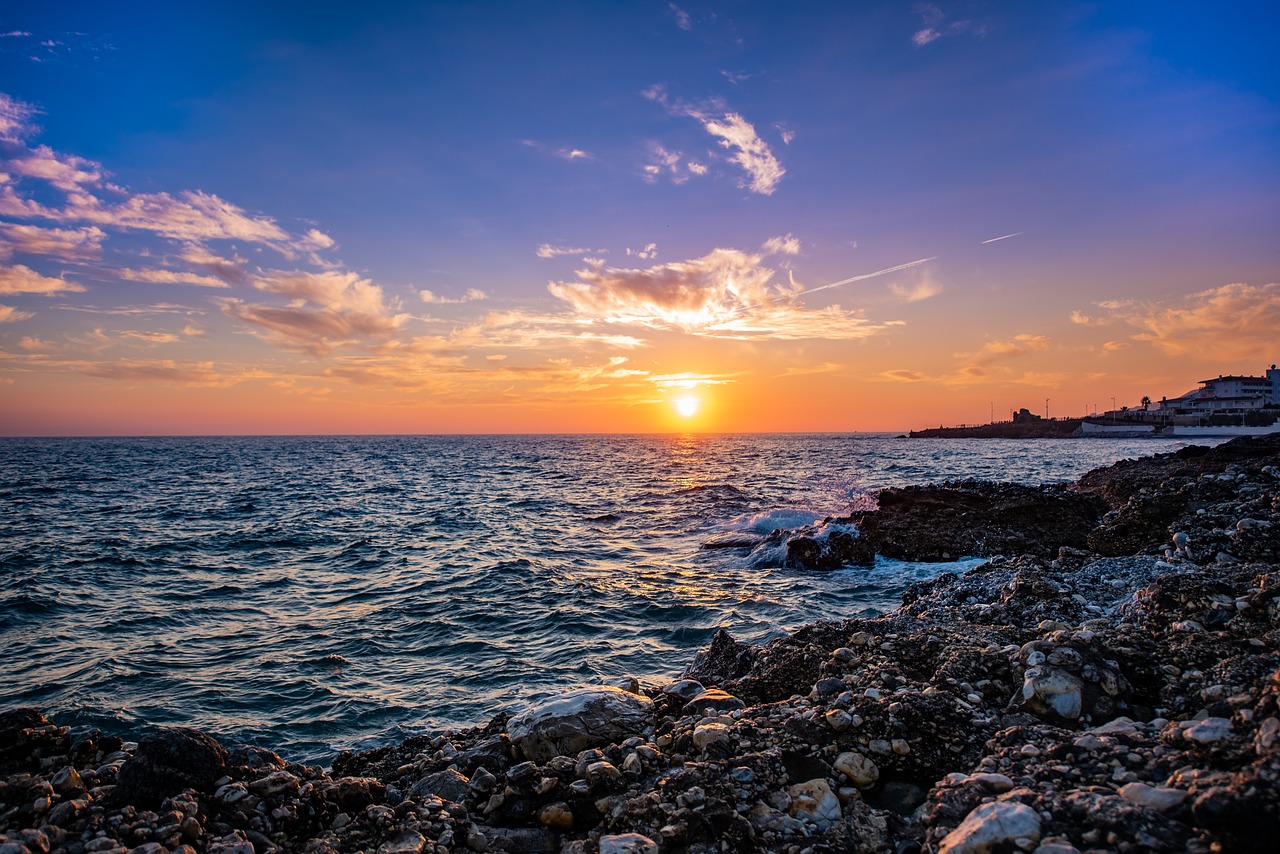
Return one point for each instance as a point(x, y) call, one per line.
point(1046, 409)
point(1113, 409)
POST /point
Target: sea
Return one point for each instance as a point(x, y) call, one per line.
point(319, 594)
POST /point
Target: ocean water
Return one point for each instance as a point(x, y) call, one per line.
point(313, 594)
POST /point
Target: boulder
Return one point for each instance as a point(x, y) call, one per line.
point(168, 761)
point(576, 720)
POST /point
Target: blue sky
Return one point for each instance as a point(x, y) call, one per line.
point(599, 198)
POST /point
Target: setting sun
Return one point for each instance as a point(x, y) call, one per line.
point(687, 406)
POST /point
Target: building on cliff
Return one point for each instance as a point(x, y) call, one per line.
point(1227, 395)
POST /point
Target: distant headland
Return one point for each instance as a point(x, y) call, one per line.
point(1221, 406)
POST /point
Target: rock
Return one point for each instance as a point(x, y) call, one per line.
point(1156, 798)
point(991, 825)
point(709, 733)
point(447, 784)
point(408, 842)
point(860, 770)
point(814, 799)
point(713, 701)
point(558, 815)
point(577, 720)
point(723, 661)
point(168, 761)
point(1207, 731)
point(627, 843)
point(829, 545)
point(684, 689)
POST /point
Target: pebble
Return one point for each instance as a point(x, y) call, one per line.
point(1156, 798)
point(1207, 731)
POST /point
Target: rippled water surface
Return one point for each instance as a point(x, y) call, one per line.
point(314, 594)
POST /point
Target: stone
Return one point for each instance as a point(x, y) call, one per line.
point(815, 800)
point(683, 689)
point(860, 770)
point(447, 784)
point(706, 734)
point(990, 825)
point(1207, 731)
point(168, 761)
point(713, 701)
point(409, 842)
point(627, 843)
point(558, 815)
point(1158, 798)
point(576, 720)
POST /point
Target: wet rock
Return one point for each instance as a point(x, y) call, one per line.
point(577, 720)
point(723, 661)
point(713, 701)
point(448, 784)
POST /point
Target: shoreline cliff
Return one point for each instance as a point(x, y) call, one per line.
point(1108, 681)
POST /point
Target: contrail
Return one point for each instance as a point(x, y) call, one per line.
point(853, 279)
point(1004, 237)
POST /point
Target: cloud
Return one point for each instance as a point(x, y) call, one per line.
point(15, 124)
point(925, 36)
point(327, 310)
point(921, 290)
point(649, 251)
point(168, 371)
point(574, 154)
point(23, 280)
point(725, 294)
point(1235, 321)
point(1113, 346)
point(736, 77)
point(785, 132)
point(682, 17)
point(471, 295)
point(735, 134)
point(176, 277)
point(904, 376)
point(671, 162)
point(66, 243)
point(319, 239)
point(787, 244)
point(932, 18)
point(546, 250)
point(1000, 351)
point(9, 314)
point(64, 171)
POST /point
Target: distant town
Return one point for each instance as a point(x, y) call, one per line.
point(1221, 406)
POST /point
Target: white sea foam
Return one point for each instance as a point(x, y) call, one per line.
point(785, 518)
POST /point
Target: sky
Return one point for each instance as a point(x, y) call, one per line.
point(425, 217)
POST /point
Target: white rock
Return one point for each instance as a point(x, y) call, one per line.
point(994, 782)
point(815, 799)
point(627, 843)
point(577, 720)
point(1208, 731)
point(709, 733)
point(860, 770)
point(992, 824)
point(1157, 798)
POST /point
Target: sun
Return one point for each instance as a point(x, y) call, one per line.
point(687, 406)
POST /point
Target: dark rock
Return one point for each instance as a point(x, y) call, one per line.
point(712, 701)
point(168, 761)
point(723, 661)
point(977, 518)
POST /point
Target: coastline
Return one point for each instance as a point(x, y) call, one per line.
point(1117, 694)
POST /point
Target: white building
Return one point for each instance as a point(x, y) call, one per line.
point(1227, 395)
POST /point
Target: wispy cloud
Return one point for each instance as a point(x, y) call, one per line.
point(23, 280)
point(924, 289)
point(471, 295)
point(786, 244)
point(649, 251)
point(1012, 348)
point(65, 243)
point(1235, 321)
point(546, 250)
point(934, 25)
point(15, 119)
point(1003, 237)
point(735, 133)
point(10, 314)
point(904, 376)
point(682, 17)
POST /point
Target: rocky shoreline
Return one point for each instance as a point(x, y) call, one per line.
point(1110, 683)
